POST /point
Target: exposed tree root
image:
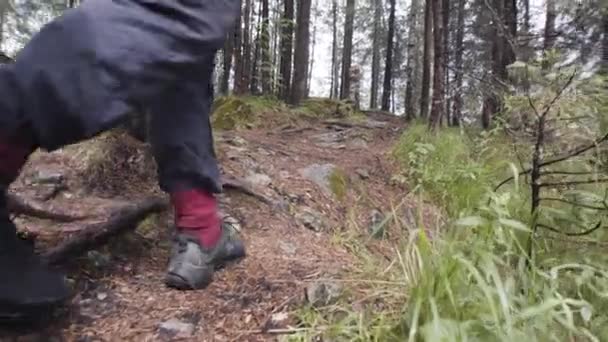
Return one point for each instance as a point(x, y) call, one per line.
point(236, 184)
point(20, 206)
point(94, 235)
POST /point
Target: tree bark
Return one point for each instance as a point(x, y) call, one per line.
point(266, 64)
point(255, 63)
point(312, 57)
point(287, 26)
point(388, 68)
point(458, 65)
point(438, 75)
point(238, 56)
point(446, 60)
point(335, 68)
point(375, 77)
point(426, 60)
point(227, 64)
point(301, 52)
point(412, 61)
point(604, 61)
point(549, 40)
point(347, 50)
point(246, 79)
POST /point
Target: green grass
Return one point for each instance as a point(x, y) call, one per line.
point(470, 283)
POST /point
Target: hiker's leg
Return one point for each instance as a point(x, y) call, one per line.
point(183, 146)
point(80, 75)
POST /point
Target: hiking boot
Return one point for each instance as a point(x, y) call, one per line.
point(192, 266)
point(28, 289)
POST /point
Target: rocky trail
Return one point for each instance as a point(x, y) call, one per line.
point(289, 192)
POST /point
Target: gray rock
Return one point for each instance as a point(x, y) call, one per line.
point(362, 173)
point(288, 247)
point(258, 180)
point(376, 124)
point(311, 219)
point(177, 328)
point(232, 223)
point(319, 174)
point(323, 293)
point(358, 143)
point(330, 137)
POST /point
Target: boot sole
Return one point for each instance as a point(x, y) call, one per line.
point(179, 283)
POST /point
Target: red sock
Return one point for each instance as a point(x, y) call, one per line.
point(196, 214)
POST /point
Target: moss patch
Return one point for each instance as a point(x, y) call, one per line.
point(338, 183)
point(246, 112)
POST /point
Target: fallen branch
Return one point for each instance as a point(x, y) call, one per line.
point(20, 206)
point(557, 231)
point(121, 221)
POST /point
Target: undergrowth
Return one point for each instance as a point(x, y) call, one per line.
point(473, 282)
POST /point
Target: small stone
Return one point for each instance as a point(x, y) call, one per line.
point(323, 293)
point(376, 227)
point(237, 141)
point(233, 223)
point(48, 177)
point(288, 247)
point(102, 296)
point(359, 143)
point(258, 180)
point(177, 328)
point(311, 219)
point(362, 173)
point(99, 260)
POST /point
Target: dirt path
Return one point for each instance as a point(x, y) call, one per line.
point(314, 175)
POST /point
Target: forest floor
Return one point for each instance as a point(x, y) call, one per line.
point(315, 183)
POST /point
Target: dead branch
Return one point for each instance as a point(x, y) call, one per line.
point(586, 232)
point(121, 221)
point(20, 206)
point(575, 152)
point(573, 203)
point(568, 183)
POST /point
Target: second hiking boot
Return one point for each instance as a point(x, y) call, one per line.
point(29, 290)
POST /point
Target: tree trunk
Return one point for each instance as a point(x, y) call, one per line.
point(388, 68)
point(266, 65)
point(446, 59)
point(335, 68)
point(227, 64)
point(375, 77)
point(301, 52)
point(426, 60)
point(255, 63)
point(458, 53)
point(287, 26)
point(438, 67)
point(347, 50)
point(312, 56)
point(238, 57)
point(604, 61)
point(510, 19)
point(412, 58)
point(246, 80)
point(549, 41)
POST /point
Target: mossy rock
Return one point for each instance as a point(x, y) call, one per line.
point(233, 113)
point(243, 112)
point(328, 108)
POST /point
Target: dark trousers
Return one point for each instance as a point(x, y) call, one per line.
point(85, 71)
